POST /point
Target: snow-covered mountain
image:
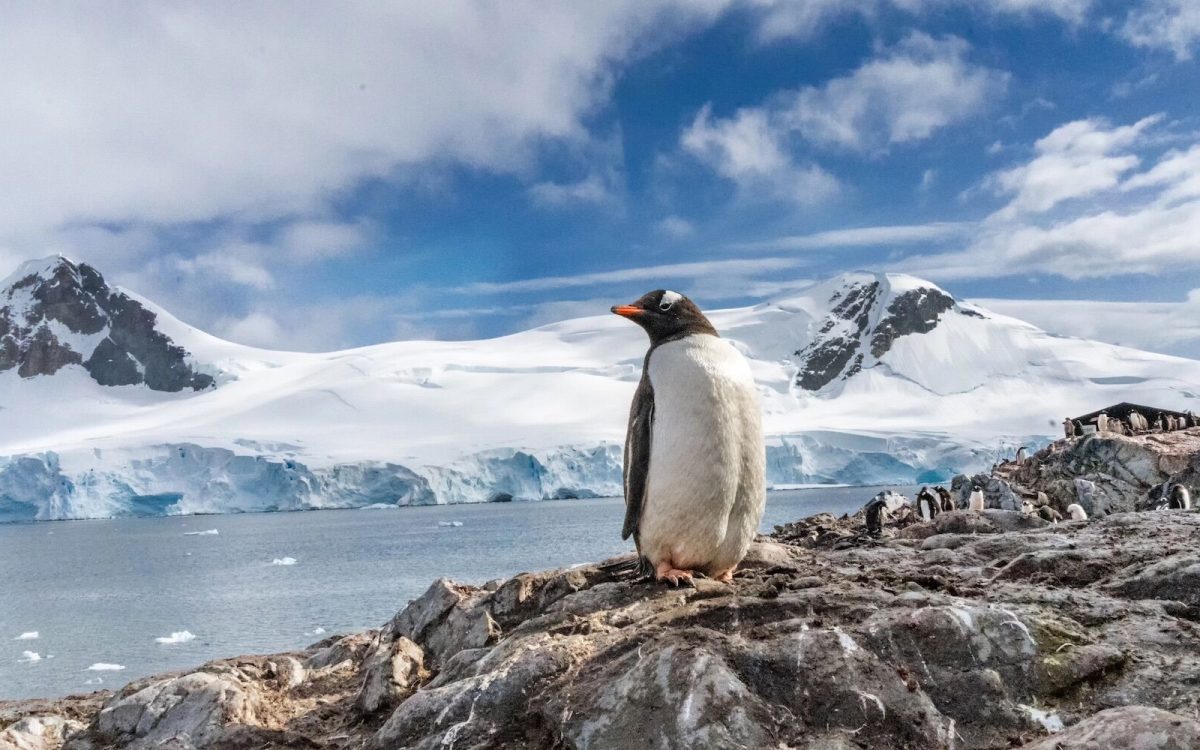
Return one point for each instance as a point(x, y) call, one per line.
point(865, 378)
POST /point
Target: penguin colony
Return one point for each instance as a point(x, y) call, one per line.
point(695, 462)
point(1135, 424)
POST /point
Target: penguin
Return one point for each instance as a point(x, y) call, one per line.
point(1078, 427)
point(946, 498)
point(976, 502)
point(1175, 497)
point(1068, 428)
point(928, 504)
point(695, 461)
point(1022, 455)
point(1027, 507)
point(1076, 512)
point(1170, 423)
point(1193, 420)
point(879, 508)
point(1043, 498)
point(1137, 421)
point(1102, 422)
point(1158, 423)
point(1048, 514)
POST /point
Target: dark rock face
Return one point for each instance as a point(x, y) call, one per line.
point(914, 311)
point(978, 630)
point(76, 297)
point(833, 348)
point(839, 348)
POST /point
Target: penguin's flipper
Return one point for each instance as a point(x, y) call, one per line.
point(637, 455)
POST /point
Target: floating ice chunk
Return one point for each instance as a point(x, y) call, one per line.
point(206, 532)
point(94, 681)
point(31, 635)
point(450, 523)
point(284, 561)
point(179, 636)
point(103, 666)
point(317, 631)
point(30, 656)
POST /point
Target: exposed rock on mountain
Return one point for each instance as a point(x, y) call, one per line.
point(55, 313)
point(987, 630)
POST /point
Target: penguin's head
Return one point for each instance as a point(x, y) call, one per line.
point(665, 314)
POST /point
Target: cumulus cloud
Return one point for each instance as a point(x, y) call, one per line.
point(1136, 222)
point(902, 95)
point(1075, 160)
point(783, 19)
point(189, 112)
point(1172, 25)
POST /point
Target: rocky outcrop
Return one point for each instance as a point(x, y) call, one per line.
point(911, 312)
point(1110, 473)
point(838, 340)
point(56, 313)
point(978, 630)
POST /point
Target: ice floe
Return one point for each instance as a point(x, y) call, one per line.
point(284, 561)
point(179, 636)
point(206, 532)
point(103, 666)
point(31, 635)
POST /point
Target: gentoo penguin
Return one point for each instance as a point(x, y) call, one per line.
point(1158, 423)
point(1048, 514)
point(1102, 422)
point(695, 462)
point(1076, 512)
point(1022, 455)
point(1193, 420)
point(1170, 423)
point(1176, 497)
point(879, 508)
point(976, 502)
point(1137, 421)
point(947, 499)
point(1078, 427)
point(1068, 428)
point(1027, 507)
point(928, 504)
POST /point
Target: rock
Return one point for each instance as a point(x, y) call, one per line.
point(991, 631)
point(38, 733)
point(198, 706)
point(391, 671)
point(1135, 727)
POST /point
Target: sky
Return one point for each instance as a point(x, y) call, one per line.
point(321, 176)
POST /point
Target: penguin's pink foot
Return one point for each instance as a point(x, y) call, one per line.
point(665, 572)
point(725, 576)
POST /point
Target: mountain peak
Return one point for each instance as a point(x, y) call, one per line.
point(866, 313)
point(55, 312)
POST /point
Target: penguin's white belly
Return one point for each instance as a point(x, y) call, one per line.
point(705, 488)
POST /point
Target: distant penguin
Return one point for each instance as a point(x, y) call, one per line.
point(1158, 423)
point(1137, 421)
point(1170, 423)
point(1048, 514)
point(1027, 507)
point(946, 498)
point(1102, 422)
point(928, 504)
point(876, 512)
point(1076, 512)
point(1078, 427)
point(695, 462)
point(1179, 498)
point(976, 502)
point(1043, 498)
point(1193, 420)
point(1022, 455)
point(1068, 428)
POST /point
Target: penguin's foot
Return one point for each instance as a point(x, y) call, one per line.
point(673, 576)
point(725, 576)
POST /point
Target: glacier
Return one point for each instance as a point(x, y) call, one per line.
point(867, 378)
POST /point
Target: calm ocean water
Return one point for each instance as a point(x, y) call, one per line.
point(102, 592)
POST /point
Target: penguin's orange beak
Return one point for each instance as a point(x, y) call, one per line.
point(627, 311)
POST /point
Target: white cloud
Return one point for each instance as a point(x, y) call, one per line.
point(313, 240)
point(319, 326)
point(903, 234)
point(902, 95)
point(675, 227)
point(170, 113)
point(748, 150)
point(1178, 172)
point(1075, 160)
point(1165, 24)
point(1170, 327)
point(783, 19)
point(693, 270)
point(234, 263)
point(591, 190)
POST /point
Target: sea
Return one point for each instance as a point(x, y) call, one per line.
point(90, 605)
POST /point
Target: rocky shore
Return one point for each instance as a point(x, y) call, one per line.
point(977, 630)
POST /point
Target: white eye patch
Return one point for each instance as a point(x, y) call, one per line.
point(668, 299)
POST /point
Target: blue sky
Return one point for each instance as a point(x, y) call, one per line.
point(366, 172)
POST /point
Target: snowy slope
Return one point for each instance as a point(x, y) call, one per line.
point(865, 378)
